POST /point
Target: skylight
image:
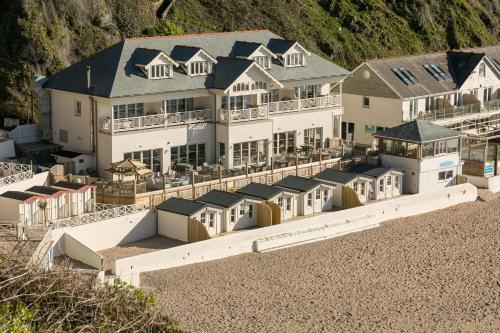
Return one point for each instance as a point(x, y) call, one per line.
point(496, 63)
point(405, 75)
point(436, 71)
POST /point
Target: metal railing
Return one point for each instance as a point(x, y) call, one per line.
point(460, 111)
point(111, 125)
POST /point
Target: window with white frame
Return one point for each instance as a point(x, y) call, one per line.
point(250, 210)
point(253, 152)
point(177, 105)
point(310, 199)
point(280, 202)
point(445, 175)
point(325, 196)
point(263, 61)
point(439, 148)
point(211, 220)
point(199, 68)
point(294, 60)
point(309, 91)
point(194, 154)
point(355, 186)
point(242, 210)
point(396, 181)
point(381, 185)
point(128, 110)
point(236, 102)
point(363, 189)
point(389, 180)
point(161, 71)
point(312, 137)
point(482, 70)
point(152, 158)
point(413, 109)
point(288, 204)
point(318, 194)
point(233, 215)
point(203, 218)
point(284, 142)
point(273, 96)
point(78, 108)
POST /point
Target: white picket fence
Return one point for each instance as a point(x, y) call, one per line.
point(14, 173)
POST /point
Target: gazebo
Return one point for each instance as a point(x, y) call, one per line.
point(129, 167)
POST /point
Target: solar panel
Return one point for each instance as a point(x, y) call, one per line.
point(496, 63)
point(436, 71)
point(409, 75)
point(402, 77)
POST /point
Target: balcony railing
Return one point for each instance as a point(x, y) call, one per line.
point(241, 115)
point(459, 111)
point(156, 121)
point(304, 104)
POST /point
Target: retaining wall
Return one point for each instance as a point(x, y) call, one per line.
point(490, 183)
point(304, 230)
point(75, 249)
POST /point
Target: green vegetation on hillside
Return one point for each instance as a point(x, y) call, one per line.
point(43, 36)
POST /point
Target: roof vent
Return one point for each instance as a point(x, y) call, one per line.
point(89, 82)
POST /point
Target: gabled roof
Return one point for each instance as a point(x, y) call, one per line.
point(20, 196)
point(418, 131)
point(184, 53)
point(282, 46)
point(47, 190)
point(462, 64)
point(457, 66)
point(336, 176)
point(221, 198)
point(114, 73)
point(181, 206)
point(259, 190)
point(246, 49)
point(300, 184)
point(229, 70)
point(373, 171)
point(72, 186)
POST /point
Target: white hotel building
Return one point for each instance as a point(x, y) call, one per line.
point(210, 98)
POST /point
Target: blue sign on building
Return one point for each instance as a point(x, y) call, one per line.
point(445, 164)
point(488, 169)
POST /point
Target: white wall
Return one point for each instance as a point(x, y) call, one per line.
point(490, 183)
point(10, 210)
point(75, 249)
point(173, 225)
point(130, 268)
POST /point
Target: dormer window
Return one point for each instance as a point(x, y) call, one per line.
point(264, 62)
point(200, 68)
point(294, 60)
point(161, 71)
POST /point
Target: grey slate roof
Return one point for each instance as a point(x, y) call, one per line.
point(373, 171)
point(114, 73)
point(280, 46)
point(143, 56)
point(181, 206)
point(71, 186)
point(17, 195)
point(462, 64)
point(259, 190)
point(300, 184)
point(418, 131)
point(221, 198)
point(449, 62)
point(244, 49)
point(229, 69)
point(46, 190)
point(336, 176)
point(184, 53)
